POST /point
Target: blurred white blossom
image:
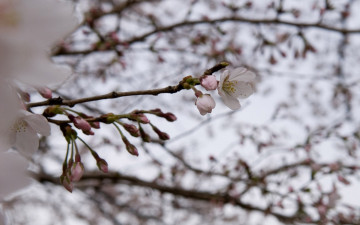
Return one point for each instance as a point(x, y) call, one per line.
point(22, 134)
point(12, 173)
point(28, 30)
point(234, 84)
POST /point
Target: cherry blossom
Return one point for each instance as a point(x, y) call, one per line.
point(205, 104)
point(234, 84)
point(22, 133)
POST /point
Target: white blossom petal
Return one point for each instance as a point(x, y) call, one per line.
point(7, 140)
point(38, 123)
point(12, 173)
point(27, 141)
point(224, 76)
point(237, 72)
point(230, 101)
point(243, 90)
point(28, 31)
point(245, 76)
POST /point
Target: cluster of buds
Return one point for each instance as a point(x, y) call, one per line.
point(72, 172)
point(138, 131)
point(73, 168)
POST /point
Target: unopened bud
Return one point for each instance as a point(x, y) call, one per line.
point(80, 123)
point(77, 171)
point(162, 135)
point(52, 111)
point(66, 182)
point(170, 117)
point(45, 92)
point(209, 82)
point(109, 118)
point(142, 118)
point(130, 147)
point(132, 129)
point(102, 165)
point(94, 124)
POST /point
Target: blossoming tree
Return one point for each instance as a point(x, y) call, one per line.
point(179, 112)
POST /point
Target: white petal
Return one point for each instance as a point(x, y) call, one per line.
point(223, 77)
point(243, 90)
point(7, 140)
point(43, 21)
point(230, 101)
point(27, 142)
point(38, 123)
point(242, 74)
point(237, 71)
point(13, 176)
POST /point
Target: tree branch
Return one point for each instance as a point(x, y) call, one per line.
point(178, 191)
point(114, 94)
point(221, 20)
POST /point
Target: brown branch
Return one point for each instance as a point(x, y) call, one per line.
point(114, 94)
point(222, 20)
point(178, 191)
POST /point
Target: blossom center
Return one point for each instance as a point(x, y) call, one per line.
point(230, 86)
point(19, 126)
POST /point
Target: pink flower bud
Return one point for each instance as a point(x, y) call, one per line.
point(162, 135)
point(130, 147)
point(142, 118)
point(205, 104)
point(45, 92)
point(66, 182)
point(102, 165)
point(80, 123)
point(170, 117)
point(209, 82)
point(77, 170)
point(132, 129)
point(95, 125)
